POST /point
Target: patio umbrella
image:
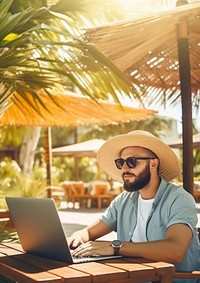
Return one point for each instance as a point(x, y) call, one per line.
point(162, 51)
point(87, 148)
point(68, 109)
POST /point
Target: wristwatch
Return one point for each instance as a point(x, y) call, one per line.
point(116, 244)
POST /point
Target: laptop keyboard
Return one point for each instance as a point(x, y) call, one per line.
point(86, 259)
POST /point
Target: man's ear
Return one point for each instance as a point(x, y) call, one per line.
point(155, 163)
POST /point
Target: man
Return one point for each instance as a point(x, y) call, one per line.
point(153, 218)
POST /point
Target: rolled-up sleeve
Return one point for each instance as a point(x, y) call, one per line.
point(183, 210)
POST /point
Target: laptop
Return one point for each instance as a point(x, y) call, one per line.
point(40, 230)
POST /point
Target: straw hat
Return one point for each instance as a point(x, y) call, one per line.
point(169, 167)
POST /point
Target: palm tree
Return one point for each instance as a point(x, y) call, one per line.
point(41, 47)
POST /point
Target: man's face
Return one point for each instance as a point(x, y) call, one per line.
point(138, 177)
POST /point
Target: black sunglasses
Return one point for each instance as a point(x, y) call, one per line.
point(131, 162)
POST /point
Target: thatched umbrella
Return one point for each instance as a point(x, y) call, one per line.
point(162, 51)
point(68, 110)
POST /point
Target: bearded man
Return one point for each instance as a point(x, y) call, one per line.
point(153, 217)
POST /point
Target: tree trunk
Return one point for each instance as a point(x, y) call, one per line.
point(27, 151)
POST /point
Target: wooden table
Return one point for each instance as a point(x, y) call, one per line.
point(26, 268)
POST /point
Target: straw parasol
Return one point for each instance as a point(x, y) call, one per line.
point(162, 51)
point(146, 47)
point(67, 109)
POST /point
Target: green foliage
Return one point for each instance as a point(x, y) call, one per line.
point(11, 136)
point(41, 47)
point(6, 233)
point(88, 169)
point(14, 183)
point(63, 169)
point(156, 125)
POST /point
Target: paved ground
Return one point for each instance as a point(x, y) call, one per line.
point(75, 219)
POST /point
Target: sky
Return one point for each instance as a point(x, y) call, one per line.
point(176, 113)
point(147, 6)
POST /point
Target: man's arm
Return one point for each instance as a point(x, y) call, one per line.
point(171, 249)
point(90, 233)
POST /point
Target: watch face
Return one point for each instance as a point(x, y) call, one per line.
point(116, 243)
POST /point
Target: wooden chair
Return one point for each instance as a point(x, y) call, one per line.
point(100, 192)
point(78, 193)
point(67, 188)
point(74, 192)
point(188, 275)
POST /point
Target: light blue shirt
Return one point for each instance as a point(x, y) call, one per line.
point(172, 205)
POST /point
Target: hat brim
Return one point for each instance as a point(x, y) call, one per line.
point(169, 167)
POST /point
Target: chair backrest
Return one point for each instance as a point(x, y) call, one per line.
point(100, 188)
point(78, 188)
point(72, 188)
point(67, 187)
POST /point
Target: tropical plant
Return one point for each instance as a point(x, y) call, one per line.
point(41, 48)
point(156, 125)
point(14, 183)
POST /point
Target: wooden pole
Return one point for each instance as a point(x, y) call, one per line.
point(186, 97)
point(48, 159)
point(76, 159)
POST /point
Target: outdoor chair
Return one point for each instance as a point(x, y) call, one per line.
point(74, 192)
point(67, 188)
point(188, 275)
point(100, 192)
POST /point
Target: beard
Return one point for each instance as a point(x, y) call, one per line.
point(141, 180)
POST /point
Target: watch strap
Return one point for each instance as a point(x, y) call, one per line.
point(116, 244)
point(116, 250)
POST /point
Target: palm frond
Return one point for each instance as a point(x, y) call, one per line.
point(37, 55)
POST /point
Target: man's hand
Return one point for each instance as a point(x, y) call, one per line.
point(77, 238)
point(92, 232)
point(74, 242)
point(94, 248)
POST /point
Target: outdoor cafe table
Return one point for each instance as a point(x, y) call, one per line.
point(25, 268)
